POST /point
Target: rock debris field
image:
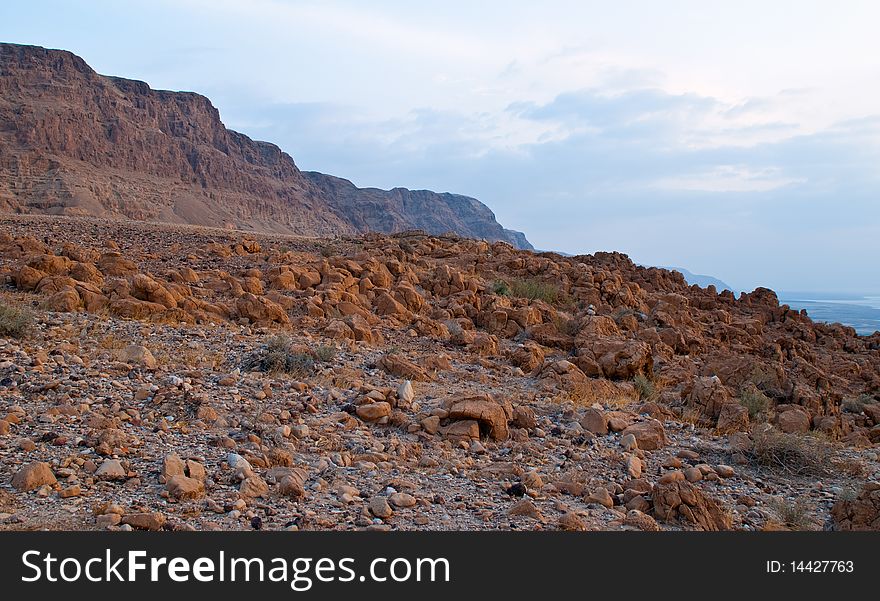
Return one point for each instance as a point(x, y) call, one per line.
point(168, 377)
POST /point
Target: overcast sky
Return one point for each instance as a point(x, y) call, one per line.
point(737, 139)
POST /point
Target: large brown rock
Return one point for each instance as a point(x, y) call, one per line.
point(708, 395)
point(861, 513)
point(678, 499)
point(259, 309)
point(792, 419)
point(732, 417)
point(595, 421)
point(371, 412)
point(650, 434)
point(181, 487)
point(615, 358)
point(145, 288)
point(528, 357)
point(32, 476)
point(397, 365)
point(491, 415)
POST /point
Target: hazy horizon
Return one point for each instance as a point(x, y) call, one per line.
point(753, 160)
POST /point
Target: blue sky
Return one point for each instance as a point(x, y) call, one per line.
point(738, 139)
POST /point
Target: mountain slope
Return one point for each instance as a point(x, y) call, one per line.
point(75, 142)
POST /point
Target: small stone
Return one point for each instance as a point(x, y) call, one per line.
point(181, 487)
point(405, 392)
point(145, 521)
point(32, 476)
point(617, 424)
point(172, 466)
point(138, 355)
point(693, 474)
point(628, 442)
point(107, 520)
point(601, 496)
point(725, 471)
point(633, 466)
point(70, 491)
point(380, 508)
point(431, 424)
point(650, 434)
point(572, 522)
point(293, 484)
point(595, 421)
point(299, 431)
point(372, 412)
point(254, 486)
point(402, 500)
point(525, 508)
point(111, 469)
point(196, 470)
point(240, 466)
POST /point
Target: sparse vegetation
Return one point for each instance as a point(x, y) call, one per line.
point(802, 454)
point(278, 357)
point(453, 326)
point(14, 321)
point(756, 402)
point(856, 404)
point(325, 353)
point(566, 325)
point(500, 288)
point(794, 514)
point(531, 289)
point(762, 377)
point(848, 494)
point(586, 394)
point(645, 387)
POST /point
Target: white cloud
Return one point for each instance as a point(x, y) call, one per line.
point(729, 178)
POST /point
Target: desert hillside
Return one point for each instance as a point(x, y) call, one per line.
point(177, 377)
point(73, 142)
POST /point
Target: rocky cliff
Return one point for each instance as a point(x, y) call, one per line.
point(74, 142)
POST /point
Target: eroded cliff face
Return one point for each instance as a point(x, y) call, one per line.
point(74, 142)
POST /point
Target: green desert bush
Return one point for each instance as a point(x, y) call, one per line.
point(645, 387)
point(756, 402)
point(535, 289)
point(14, 321)
point(500, 288)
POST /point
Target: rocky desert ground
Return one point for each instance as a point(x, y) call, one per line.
point(178, 378)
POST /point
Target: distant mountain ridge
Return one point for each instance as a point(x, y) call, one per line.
point(74, 142)
point(700, 280)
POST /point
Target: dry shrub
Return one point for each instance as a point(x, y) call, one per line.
point(277, 357)
point(800, 454)
point(15, 322)
point(795, 514)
